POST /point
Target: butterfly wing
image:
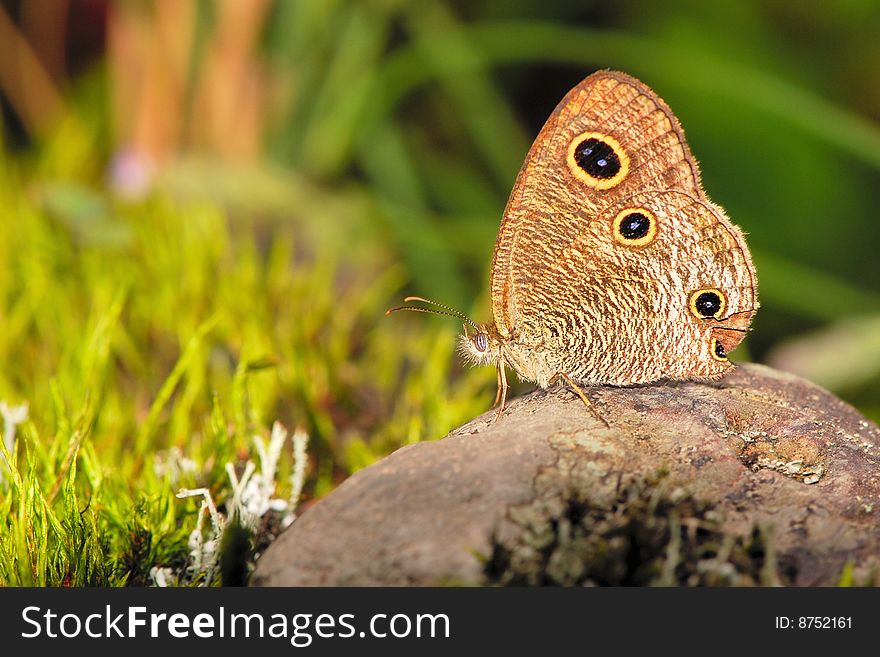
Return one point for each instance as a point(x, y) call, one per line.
point(572, 293)
point(609, 310)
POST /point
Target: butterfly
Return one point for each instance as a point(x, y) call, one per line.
point(611, 264)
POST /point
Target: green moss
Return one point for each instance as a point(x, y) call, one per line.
point(179, 345)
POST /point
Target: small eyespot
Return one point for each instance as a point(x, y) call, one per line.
point(708, 303)
point(481, 342)
point(634, 227)
point(598, 160)
point(718, 351)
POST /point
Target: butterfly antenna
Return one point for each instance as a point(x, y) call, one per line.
point(457, 313)
point(449, 311)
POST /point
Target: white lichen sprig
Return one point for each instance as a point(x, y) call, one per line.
point(252, 497)
point(204, 552)
point(174, 465)
point(254, 492)
point(297, 475)
point(163, 577)
point(12, 417)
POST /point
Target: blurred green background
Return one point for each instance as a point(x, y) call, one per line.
point(205, 207)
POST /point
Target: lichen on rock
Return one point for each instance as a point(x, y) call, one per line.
point(647, 536)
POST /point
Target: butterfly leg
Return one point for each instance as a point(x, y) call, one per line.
point(580, 393)
point(501, 396)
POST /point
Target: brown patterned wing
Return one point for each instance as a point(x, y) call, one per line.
point(609, 138)
point(659, 285)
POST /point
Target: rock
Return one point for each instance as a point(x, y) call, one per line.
point(759, 478)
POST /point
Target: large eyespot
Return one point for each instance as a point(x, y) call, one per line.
point(634, 227)
point(708, 303)
point(481, 342)
point(718, 351)
point(598, 160)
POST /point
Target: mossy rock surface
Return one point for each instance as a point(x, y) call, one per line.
point(759, 478)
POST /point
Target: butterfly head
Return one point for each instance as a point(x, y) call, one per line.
point(479, 345)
